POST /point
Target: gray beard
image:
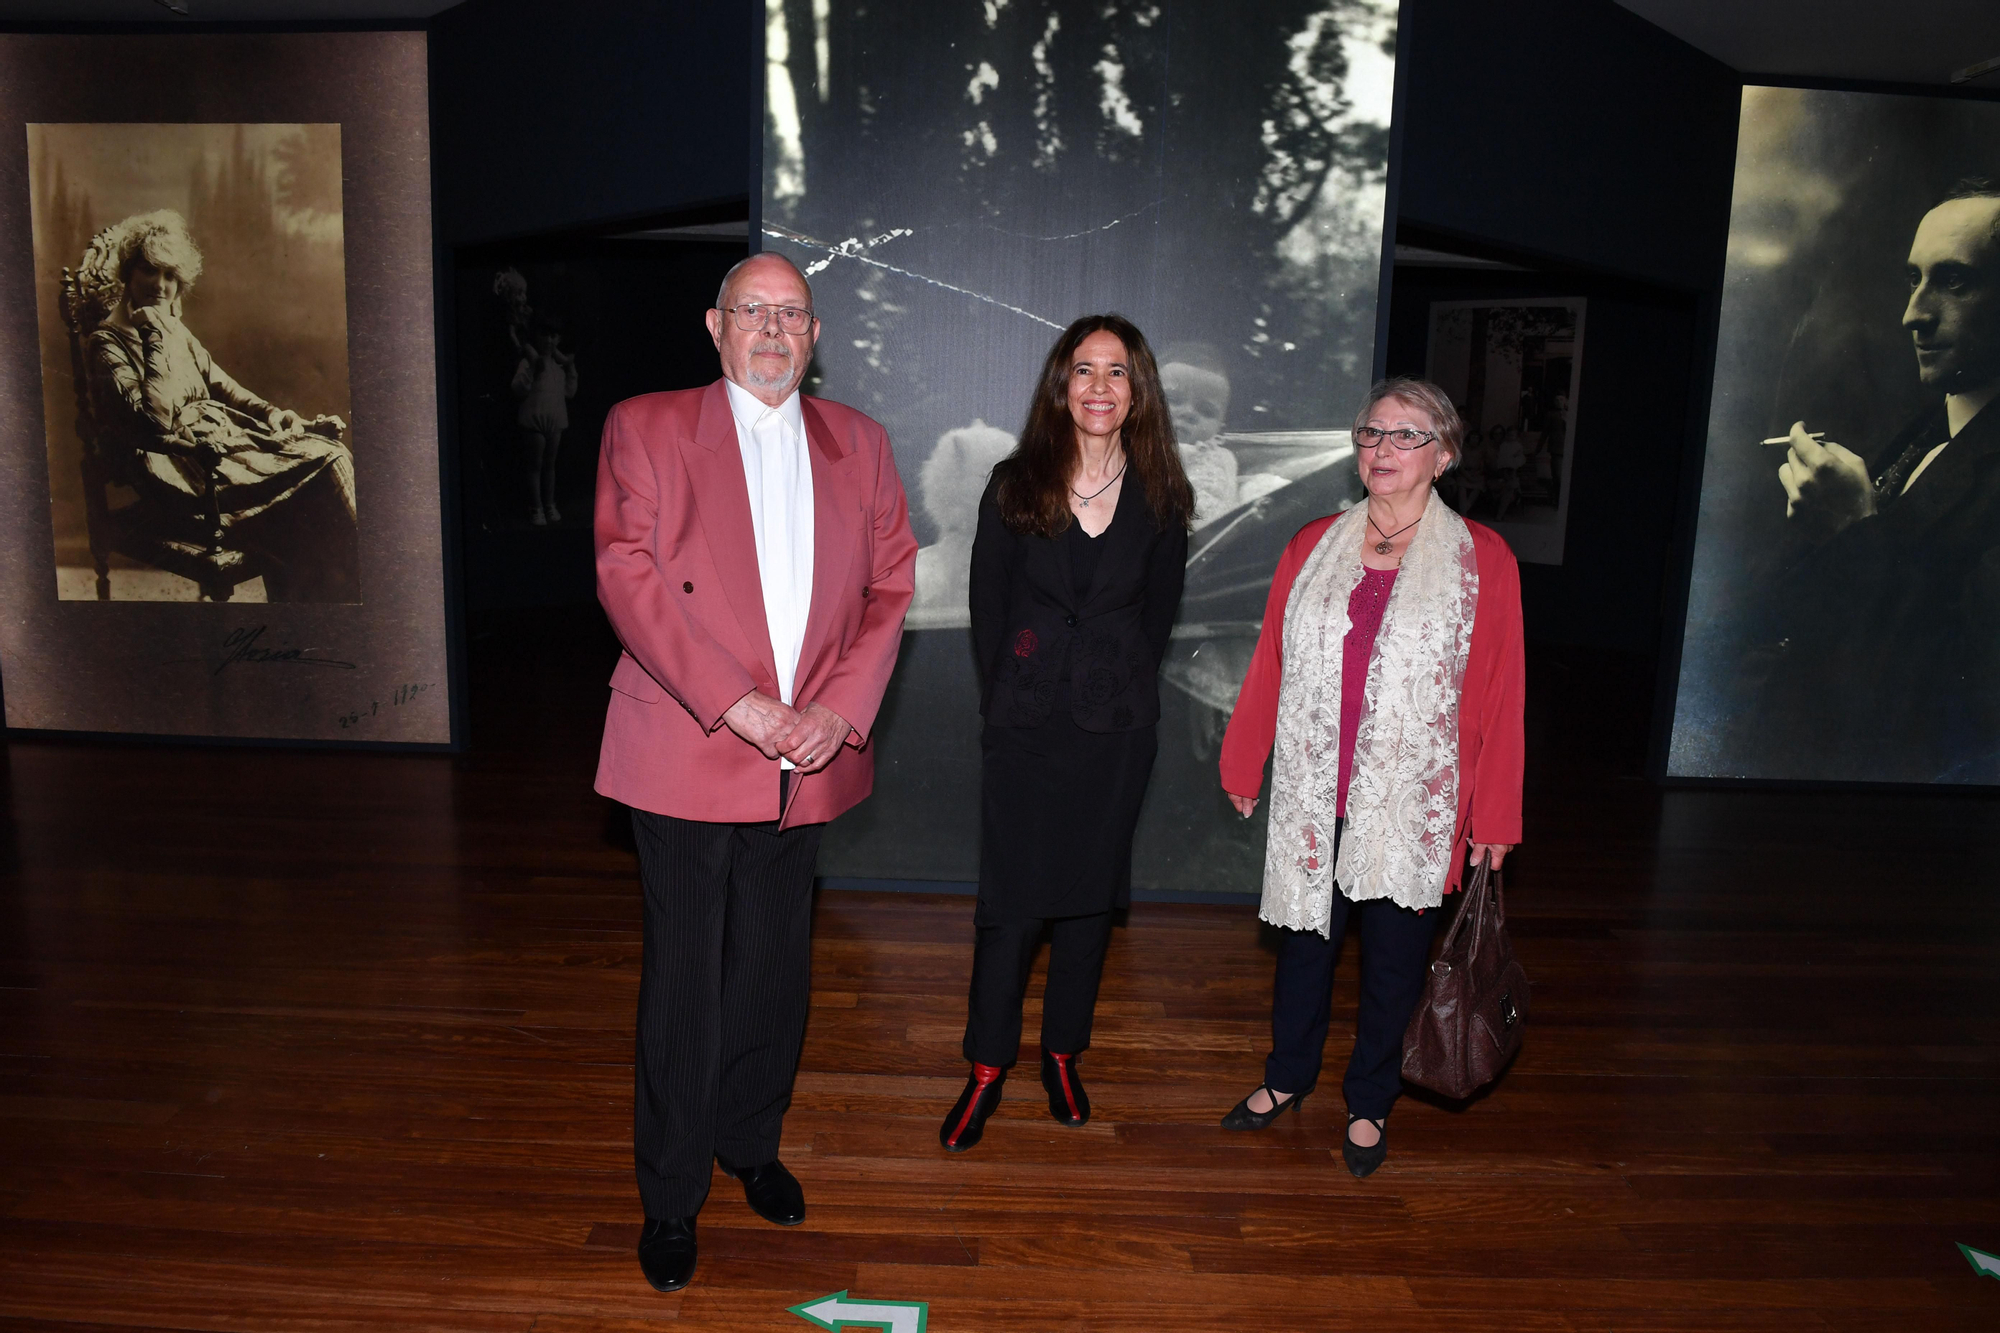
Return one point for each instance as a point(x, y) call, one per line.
point(771, 381)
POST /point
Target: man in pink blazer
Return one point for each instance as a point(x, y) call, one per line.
point(754, 556)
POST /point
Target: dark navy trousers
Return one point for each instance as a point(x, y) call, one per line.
point(1395, 951)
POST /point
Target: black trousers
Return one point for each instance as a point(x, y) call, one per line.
point(723, 995)
point(1003, 953)
point(1395, 949)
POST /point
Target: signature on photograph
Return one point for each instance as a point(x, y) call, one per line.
point(242, 645)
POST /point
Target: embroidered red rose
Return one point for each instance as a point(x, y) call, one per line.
point(1025, 643)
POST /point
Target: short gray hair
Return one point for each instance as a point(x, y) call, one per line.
point(722, 292)
point(1435, 404)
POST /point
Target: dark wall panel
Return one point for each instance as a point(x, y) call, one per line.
point(1631, 430)
point(1576, 136)
point(547, 116)
point(1569, 128)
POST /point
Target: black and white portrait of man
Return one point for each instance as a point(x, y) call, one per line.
point(1844, 620)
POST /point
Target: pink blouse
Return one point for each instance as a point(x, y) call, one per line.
point(1365, 606)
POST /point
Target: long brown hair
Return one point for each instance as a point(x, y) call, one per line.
point(1033, 493)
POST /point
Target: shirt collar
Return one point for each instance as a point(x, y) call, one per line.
point(747, 408)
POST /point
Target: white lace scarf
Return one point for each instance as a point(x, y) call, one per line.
point(1402, 799)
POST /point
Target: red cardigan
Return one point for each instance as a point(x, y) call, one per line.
point(1489, 713)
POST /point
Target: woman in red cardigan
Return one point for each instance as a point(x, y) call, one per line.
point(1389, 676)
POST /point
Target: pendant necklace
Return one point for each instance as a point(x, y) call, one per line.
point(1086, 499)
point(1384, 546)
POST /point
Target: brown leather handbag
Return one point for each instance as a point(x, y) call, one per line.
point(1468, 1025)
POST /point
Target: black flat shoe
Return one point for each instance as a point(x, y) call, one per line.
point(772, 1192)
point(1363, 1161)
point(966, 1124)
point(1242, 1117)
point(666, 1252)
point(1068, 1102)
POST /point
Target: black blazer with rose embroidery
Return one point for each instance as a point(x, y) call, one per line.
point(1027, 620)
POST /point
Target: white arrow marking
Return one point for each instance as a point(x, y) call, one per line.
point(1984, 1264)
point(832, 1312)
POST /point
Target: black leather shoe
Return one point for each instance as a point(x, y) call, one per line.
point(1068, 1102)
point(772, 1192)
point(965, 1125)
point(1242, 1117)
point(666, 1252)
point(1363, 1161)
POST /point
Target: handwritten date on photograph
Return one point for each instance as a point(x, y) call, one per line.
point(402, 696)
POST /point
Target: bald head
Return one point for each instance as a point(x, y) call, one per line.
point(722, 297)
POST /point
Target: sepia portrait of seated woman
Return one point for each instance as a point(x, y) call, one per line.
point(167, 417)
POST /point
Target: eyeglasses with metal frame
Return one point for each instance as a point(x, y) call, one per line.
point(1406, 439)
point(755, 317)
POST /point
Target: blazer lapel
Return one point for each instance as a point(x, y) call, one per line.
point(1948, 480)
point(714, 463)
point(837, 509)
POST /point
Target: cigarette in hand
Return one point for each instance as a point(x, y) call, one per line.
point(1786, 439)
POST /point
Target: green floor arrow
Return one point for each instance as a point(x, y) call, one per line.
point(836, 1312)
point(1984, 1264)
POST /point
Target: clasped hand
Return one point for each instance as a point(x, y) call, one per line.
point(810, 737)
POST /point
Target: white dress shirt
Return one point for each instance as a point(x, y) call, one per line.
point(777, 472)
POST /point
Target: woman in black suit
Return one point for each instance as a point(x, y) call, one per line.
point(1076, 574)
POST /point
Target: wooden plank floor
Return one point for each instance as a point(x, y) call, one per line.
point(343, 1041)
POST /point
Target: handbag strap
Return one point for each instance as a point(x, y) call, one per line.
point(1498, 926)
point(1473, 903)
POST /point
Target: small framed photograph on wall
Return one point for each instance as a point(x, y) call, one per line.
point(1512, 367)
point(219, 457)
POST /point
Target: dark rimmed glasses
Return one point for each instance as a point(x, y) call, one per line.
point(753, 317)
point(1406, 439)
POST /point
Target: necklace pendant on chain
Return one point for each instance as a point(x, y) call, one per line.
point(1382, 548)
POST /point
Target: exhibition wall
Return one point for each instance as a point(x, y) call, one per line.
point(550, 333)
point(1571, 130)
point(249, 417)
point(1846, 579)
point(551, 117)
point(558, 127)
point(1641, 350)
point(1566, 135)
point(1566, 131)
point(960, 184)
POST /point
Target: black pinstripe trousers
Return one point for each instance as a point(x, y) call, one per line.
point(723, 994)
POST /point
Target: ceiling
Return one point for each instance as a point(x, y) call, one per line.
point(1837, 39)
point(1828, 39)
point(216, 11)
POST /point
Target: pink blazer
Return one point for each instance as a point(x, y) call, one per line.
point(677, 574)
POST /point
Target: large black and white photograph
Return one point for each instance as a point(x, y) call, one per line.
point(961, 182)
point(1844, 612)
point(191, 288)
point(1512, 368)
point(219, 461)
